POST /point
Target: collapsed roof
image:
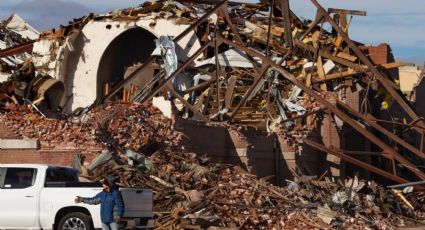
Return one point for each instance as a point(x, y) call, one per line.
point(250, 64)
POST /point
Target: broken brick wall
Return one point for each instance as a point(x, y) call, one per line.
point(60, 154)
point(254, 151)
point(56, 157)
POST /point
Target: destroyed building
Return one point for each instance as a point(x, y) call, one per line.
point(238, 86)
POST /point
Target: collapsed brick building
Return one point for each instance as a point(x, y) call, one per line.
point(246, 110)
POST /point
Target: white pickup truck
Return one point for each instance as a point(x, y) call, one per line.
point(42, 197)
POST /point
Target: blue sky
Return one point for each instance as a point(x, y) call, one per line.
point(398, 23)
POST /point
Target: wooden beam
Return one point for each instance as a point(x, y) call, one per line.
point(326, 54)
point(393, 65)
point(338, 75)
point(343, 11)
point(17, 49)
point(321, 73)
point(350, 73)
point(228, 98)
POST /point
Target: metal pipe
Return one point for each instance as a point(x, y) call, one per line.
point(34, 106)
point(407, 184)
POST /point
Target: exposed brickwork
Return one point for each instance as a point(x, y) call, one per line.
point(63, 158)
point(5, 132)
point(252, 150)
point(380, 54)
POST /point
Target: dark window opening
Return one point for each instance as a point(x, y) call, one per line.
point(130, 48)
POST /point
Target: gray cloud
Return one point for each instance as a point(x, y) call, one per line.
point(45, 14)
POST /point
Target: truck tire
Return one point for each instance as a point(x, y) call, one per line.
point(75, 221)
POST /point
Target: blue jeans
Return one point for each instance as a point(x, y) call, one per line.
point(111, 226)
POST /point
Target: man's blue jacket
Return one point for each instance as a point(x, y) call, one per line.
point(111, 205)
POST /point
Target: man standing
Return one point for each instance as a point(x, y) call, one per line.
point(111, 204)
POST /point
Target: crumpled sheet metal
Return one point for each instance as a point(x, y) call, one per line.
point(166, 48)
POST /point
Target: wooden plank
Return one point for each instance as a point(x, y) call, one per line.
point(308, 80)
point(326, 54)
point(344, 25)
point(393, 65)
point(344, 11)
point(228, 98)
point(338, 75)
point(315, 38)
point(321, 73)
point(276, 31)
point(347, 56)
point(207, 101)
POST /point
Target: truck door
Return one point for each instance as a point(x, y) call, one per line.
point(18, 198)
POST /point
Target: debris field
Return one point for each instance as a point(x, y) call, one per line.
point(256, 65)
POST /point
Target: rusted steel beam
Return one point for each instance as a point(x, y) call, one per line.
point(362, 153)
point(17, 49)
point(378, 74)
point(200, 86)
point(387, 149)
point(140, 69)
point(156, 78)
point(287, 22)
point(369, 119)
point(221, 5)
point(317, 20)
point(217, 69)
point(170, 88)
point(339, 153)
point(177, 72)
point(223, 12)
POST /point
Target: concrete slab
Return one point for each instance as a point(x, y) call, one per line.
point(19, 144)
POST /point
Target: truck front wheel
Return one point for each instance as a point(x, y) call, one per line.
point(75, 221)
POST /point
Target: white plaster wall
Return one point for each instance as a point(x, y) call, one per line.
point(79, 68)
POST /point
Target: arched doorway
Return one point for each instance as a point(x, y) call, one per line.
point(130, 48)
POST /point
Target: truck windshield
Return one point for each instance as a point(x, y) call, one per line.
point(61, 175)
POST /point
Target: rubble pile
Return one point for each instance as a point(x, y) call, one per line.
point(130, 125)
point(136, 126)
point(16, 71)
point(190, 192)
point(260, 66)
